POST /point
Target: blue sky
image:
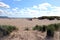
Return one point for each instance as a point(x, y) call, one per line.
point(29, 8)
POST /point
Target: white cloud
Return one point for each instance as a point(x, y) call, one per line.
point(44, 6)
point(3, 5)
point(44, 9)
point(1, 11)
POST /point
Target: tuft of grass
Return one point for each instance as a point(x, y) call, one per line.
point(49, 28)
point(40, 28)
point(50, 32)
point(7, 29)
point(36, 27)
point(44, 28)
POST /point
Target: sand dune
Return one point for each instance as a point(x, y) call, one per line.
point(22, 24)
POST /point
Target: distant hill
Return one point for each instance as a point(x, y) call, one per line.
point(4, 17)
point(50, 17)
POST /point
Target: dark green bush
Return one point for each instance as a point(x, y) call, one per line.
point(49, 28)
point(50, 33)
point(56, 26)
point(36, 27)
point(40, 18)
point(44, 28)
point(7, 29)
point(40, 28)
point(58, 18)
point(50, 18)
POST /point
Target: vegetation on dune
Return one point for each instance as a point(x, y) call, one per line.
point(56, 26)
point(49, 17)
point(40, 28)
point(50, 31)
point(36, 27)
point(6, 29)
point(49, 28)
point(43, 28)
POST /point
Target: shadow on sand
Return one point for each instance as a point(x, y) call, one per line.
point(49, 38)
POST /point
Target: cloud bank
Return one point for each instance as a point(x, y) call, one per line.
point(44, 9)
point(3, 5)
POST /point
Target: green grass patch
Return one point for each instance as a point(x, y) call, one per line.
point(49, 28)
point(7, 29)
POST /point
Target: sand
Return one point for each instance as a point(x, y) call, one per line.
point(21, 24)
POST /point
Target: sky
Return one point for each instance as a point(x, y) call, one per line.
point(29, 8)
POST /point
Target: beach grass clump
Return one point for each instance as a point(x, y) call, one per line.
point(50, 29)
point(36, 27)
point(56, 26)
point(40, 28)
point(50, 32)
point(44, 28)
point(6, 29)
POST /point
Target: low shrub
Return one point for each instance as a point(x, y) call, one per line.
point(44, 28)
point(40, 28)
point(50, 33)
point(36, 27)
point(58, 18)
point(7, 29)
point(49, 28)
point(50, 18)
point(56, 26)
point(43, 17)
